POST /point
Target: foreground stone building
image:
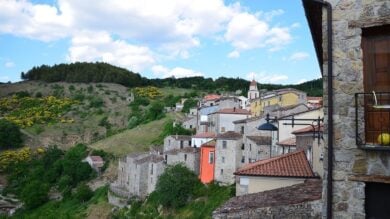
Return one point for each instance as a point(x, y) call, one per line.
point(355, 61)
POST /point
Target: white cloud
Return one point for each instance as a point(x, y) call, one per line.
point(9, 64)
point(298, 56)
point(268, 16)
point(234, 54)
point(245, 31)
point(177, 72)
point(4, 78)
point(296, 25)
point(92, 46)
point(264, 77)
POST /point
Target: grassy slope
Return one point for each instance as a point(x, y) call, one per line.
point(137, 139)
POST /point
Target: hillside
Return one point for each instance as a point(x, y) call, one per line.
point(100, 110)
point(105, 73)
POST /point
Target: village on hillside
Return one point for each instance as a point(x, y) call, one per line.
point(231, 147)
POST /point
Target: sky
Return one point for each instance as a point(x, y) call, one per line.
point(264, 40)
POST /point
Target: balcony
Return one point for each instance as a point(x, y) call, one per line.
point(372, 117)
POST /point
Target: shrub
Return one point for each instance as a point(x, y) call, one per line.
point(83, 192)
point(34, 194)
point(176, 186)
point(38, 94)
point(10, 135)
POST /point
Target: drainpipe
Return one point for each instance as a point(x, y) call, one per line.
point(329, 199)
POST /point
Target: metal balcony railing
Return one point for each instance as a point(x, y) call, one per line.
point(372, 117)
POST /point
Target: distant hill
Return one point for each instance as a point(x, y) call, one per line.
point(83, 72)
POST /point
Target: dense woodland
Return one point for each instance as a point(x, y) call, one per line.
point(102, 72)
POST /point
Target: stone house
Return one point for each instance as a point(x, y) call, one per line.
point(137, 175)
point(189, 156)
point(190, 122)
point(204, 122)
point(257, 148)
point(310, 140)
point(193, 112)
point(209, 100)
point(280, 171)
point(352, 41)
point(222, 120)
point(229, 102)
point(177, 142)
point(96, 162)
point(201, 138)
point(228, 156)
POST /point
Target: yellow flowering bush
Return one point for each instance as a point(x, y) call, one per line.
point(149, 92)
point(13, 156)
point(27, 111)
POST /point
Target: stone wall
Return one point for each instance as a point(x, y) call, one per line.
point(298, 211)
point(349, 17)
point(227, 160)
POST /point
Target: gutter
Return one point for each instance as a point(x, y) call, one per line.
point(329, 186)
point(329, 208)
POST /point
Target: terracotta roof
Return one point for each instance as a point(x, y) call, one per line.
point(309, 129)
point(151, 158)
point(211, 97)
point(294, 164)
point(211, 143)
point(181, 137)
point(314, 98)
point(230, 135)
point(288, 142)
point(260, 140)
point(205, 135)
point(233, 111)
point(97, 159)
point(183, 150)
point(310, 190)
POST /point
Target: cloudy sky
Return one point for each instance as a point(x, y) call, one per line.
point(262, 39)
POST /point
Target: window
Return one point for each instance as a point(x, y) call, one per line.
point(211, 157)
point(243, 147)
point(189, 143)
point(242, 129)
point(250, 147)
point(280, 98)
point(223, 159)
point(243, 159)
point(181, 145)
point(221, 171)
point(222, 129)
point(185, 157)
point(376, 77)
point(190, 126)
point(151, 169)
point(169, 142)
point(224, 144)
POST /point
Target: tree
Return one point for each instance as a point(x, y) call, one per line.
point(10, 135)
point(176, 186)
point(34, 194)
point(83, 192)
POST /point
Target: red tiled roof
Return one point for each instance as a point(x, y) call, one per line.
point(211, 143)
point(211, 97)
point(233, 111)
point(230, 135)
point(288, 142)
point(97, 159)
point(309, 129)
point(205, 135)
point(293, 164)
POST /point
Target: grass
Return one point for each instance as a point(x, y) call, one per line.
point(134, 140)
point(174, 91)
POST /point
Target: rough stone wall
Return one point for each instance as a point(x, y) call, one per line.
point(171, 142)
point(190, 123)
point(297, 211)
point(258, 152)
point(227, 160)
point(158, 169)
point(349, 17)
point(191, 163)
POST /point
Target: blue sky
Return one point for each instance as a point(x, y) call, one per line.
point(266, 40)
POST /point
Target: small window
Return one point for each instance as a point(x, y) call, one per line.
point(250, 147)
point(221, 171)
point(151, 169)
point(222, 129)
point(181, 144)
point(169, 142)
point(190, 126)
point(243, 147)
point(243, 159)
point(224, 144)
point(189, 143)
point(242, 129)
point(185, 157)
point(223, 159)
point(211, 157)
